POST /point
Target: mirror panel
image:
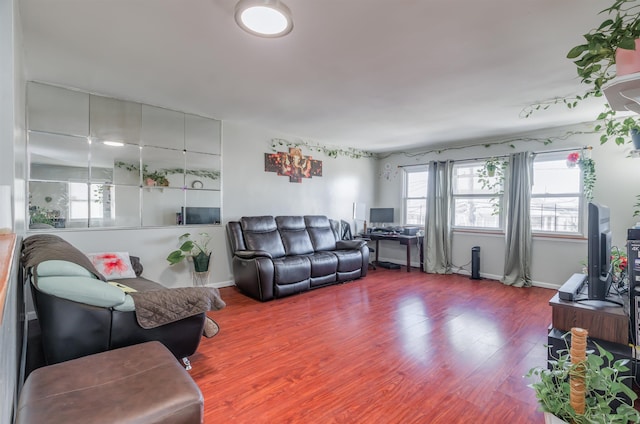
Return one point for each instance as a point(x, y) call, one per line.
point(202, 134)
point(115, 206)
point(115, 164)
point(162, 127)
point(48, 205)
point(160, 206)
point(162, 167)
point(76, 180)
point(57, 110)
point(202, 171)
point(115, 120)
point(58, 158)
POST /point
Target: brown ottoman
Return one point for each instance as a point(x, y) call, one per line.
point(136, 384)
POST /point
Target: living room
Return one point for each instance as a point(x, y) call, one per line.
point(247, 190)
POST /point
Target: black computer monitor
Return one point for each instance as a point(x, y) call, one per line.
point(381, 215)
point(192, 215)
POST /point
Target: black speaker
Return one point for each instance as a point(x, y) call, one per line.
point(475, 263)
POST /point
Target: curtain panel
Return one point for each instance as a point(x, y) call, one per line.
point(517, 263)
point(438, 222)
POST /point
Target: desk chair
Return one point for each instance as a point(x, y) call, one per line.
point(345, 232)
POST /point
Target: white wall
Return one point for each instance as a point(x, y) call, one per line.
point(12, 136)
point(553, 260)
point(247, 190)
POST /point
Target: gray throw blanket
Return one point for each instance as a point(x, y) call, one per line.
point(159, 307)
point(49, 247)
point(153, 308)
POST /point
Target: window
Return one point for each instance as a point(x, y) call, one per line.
point(415, 195)
point(556, 195)
point(475, 205)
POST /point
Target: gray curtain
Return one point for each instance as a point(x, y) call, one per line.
point(438, 226)
point(517, 262)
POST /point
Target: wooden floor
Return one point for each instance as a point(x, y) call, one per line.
point(394, 347)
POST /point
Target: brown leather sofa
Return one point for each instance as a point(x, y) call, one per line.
point(82, 315)
point(276, 257)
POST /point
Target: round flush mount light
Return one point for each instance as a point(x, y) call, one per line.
point(264, 18)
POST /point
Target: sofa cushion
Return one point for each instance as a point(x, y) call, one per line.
point(261, 233)
point(348, 260)
point(322, 236)
point(90, 291)
point(294, 235)
point(291, 269)
point(323, 263)
point(56, 268)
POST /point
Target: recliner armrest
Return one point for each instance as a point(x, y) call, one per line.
point(250, 254)
point(350, 244)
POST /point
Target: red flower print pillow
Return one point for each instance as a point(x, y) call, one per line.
point(113, 265)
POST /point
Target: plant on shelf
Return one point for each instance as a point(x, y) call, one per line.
point(595, 61)
point(491, 178)
point(197, 251)
point(601, 384)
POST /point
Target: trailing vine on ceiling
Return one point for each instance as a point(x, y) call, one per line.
point(510, 142)
point(332, 152)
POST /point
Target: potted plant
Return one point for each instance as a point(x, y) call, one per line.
point(491, 177)
point(598, 380)
point(197, 251)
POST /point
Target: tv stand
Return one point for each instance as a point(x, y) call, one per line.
point(604, 320)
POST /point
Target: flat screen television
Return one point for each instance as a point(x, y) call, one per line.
point(381, 215)
point(192, 215)
point(599, 252)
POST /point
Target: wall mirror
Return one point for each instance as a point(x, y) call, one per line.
point(101, 162)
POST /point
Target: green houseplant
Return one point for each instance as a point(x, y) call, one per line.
point(198, 251)
point(491, 177)
point(595, 60)
point(604, 383)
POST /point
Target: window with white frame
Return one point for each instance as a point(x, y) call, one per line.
point(415, 195)
point(79, 202)
point(556, 195)
point(475, 205)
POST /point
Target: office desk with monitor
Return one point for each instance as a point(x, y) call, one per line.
point(403, 240)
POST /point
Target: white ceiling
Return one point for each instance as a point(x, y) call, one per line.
point(371, 74)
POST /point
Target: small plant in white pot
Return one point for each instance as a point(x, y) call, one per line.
point(597, 380)
point(198, 251)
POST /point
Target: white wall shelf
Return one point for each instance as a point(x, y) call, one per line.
point(623, 93)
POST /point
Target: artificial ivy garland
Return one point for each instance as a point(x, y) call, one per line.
point(332, 152)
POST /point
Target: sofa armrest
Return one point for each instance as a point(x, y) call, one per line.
point(350, 244)
point(250, 254)
point(85, 290)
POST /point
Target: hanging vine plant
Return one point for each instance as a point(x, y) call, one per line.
point(491, 177)
point(332, 152)
point(588, 168)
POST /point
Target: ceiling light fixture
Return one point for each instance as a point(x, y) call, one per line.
point(264, 18)
point(113, 143)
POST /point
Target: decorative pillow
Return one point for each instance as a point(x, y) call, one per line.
point(113, 265)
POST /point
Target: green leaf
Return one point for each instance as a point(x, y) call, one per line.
point(175, 257)
point(577, 51)
point(627, 43)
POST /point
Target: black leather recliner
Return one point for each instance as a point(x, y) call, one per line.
point(276, 257)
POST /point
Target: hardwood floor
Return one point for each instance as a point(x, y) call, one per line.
point(394, 347)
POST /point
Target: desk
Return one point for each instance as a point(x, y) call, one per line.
point(606, 322)
point(403, 240)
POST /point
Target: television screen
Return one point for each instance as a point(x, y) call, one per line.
point(381, 215)
point(599, 252)
point(200, 215)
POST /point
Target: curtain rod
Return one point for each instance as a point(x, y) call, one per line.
point(505, 155)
